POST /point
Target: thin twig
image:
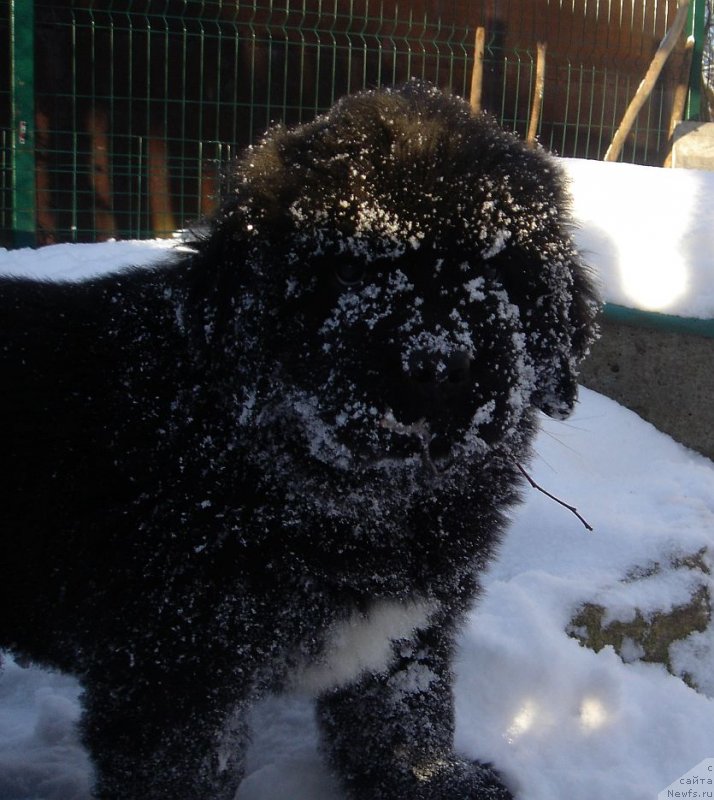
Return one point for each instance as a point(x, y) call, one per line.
point(553, 497)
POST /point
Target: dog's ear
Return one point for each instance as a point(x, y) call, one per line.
point(581, 306)
point(544, 275)
point(558, 305)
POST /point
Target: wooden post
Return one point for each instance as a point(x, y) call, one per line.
point(162, 218)
point(46, 221)
point(209, 191)
point(477, 72)
point(100, 174)
point(709, 93)
point(645, 88)
point(679, 101)
point(537, 94)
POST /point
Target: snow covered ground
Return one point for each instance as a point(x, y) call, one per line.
point(560, 721)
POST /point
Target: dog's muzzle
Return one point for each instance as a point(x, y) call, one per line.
point(434, 398)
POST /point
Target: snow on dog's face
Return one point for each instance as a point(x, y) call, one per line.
point(410, 286)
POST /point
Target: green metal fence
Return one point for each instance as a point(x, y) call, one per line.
point(117, 116)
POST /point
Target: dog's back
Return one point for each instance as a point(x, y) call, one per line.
point(82, 408)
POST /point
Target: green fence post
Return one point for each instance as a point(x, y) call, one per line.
point(22, 77)
point(695, 27)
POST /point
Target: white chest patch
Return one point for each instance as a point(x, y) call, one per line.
point(362, 643)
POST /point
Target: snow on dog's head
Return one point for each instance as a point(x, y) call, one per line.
point(410, 289)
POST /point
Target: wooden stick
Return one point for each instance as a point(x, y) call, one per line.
point(46, 221)
point(680, 97)
point(477, 72)
point(645, 88)
point(553, 497)
point(537, 94)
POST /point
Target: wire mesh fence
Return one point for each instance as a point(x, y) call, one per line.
point(137, 106)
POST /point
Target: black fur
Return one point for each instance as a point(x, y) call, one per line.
point(312, 421)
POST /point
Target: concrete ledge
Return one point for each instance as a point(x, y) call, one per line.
point(693, 145)
point(669, 323)
point(664, 374)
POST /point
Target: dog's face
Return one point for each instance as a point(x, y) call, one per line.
point(412, 289)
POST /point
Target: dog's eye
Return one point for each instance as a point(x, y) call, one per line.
point(349, 273)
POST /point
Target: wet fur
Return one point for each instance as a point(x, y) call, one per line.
point(283, 459)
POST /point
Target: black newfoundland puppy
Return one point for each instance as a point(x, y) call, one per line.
point(282, 460)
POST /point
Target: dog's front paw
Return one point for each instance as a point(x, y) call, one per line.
point(454, 779)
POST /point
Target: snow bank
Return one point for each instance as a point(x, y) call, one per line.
point(40, 756)
point(78, 261)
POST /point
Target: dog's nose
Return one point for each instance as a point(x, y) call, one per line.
point(458, 367)
point(430, 368)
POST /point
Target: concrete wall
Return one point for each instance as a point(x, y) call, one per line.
point(664, 376)
point(693, 146)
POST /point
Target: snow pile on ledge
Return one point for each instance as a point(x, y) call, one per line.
point(648, 232)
